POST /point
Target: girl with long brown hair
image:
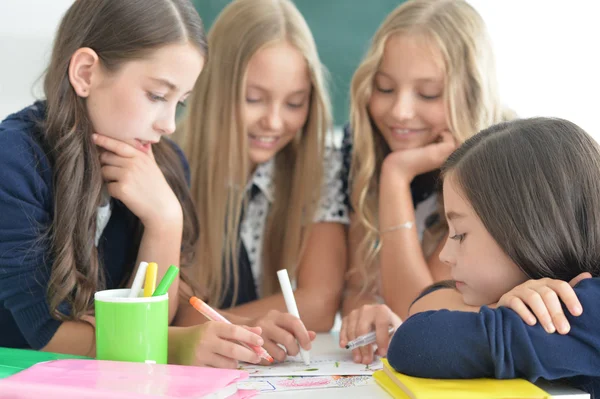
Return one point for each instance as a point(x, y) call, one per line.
point(90, 185)
point(522, 202)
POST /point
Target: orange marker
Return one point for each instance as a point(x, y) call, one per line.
point(213, 315)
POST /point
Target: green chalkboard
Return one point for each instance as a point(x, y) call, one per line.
point(343, 30)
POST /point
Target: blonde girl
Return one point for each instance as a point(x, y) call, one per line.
point(426, 84)
point(267, 189)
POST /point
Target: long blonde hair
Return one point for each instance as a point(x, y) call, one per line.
point(215, 141)
point(471, 95)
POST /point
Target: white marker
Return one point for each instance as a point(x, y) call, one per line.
point(290, 302)
point(138, 281)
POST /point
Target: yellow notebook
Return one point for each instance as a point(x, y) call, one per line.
point(401, 386)
point(388, 385)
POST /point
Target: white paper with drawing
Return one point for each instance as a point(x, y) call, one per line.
point(280, 384)
point(319, 365)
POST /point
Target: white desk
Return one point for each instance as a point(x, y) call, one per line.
point(327, 344)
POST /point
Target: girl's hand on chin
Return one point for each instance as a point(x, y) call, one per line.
point(134, 178)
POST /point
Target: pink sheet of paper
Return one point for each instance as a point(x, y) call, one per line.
point(91, 379)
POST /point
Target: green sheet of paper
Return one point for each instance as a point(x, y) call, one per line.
point(14, 360)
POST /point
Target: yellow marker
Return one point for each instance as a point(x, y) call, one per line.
point(150, 279)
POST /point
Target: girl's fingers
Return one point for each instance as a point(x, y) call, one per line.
point(562, 324)
point(275, 350)
point(439, 151)
point(447, 142)
point(447, 137)
point(365, 326)
point(578, 278)
point(544, 298)
point(111, 173)
point(352, 325)
point(236, 333)
point(367, 353)
point(382, 325)
point(284, 338)
point(360, 323)
point(568, 296)
point(356, 355)
point(235, 351)
point(538, 306)
point(219, 361)
point(115, 190)
point(264, 362)
point(552, 303)
point(517, 305)
point(253, 330)
point(296, 332)
point(115, 146)
point(108, 158)
point(343, 334)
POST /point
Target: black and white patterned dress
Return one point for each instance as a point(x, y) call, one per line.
point(261, 191)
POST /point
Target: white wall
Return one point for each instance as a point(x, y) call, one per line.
point(546, 65)
point(547, 57)
point(26, 32)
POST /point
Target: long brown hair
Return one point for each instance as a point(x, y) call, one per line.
point(216, 145)
point(471, 96)
point(118, 31)
point(535, 185)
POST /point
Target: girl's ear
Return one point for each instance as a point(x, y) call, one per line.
point(82, 67)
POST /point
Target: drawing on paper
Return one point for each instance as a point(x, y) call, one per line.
point(279, 384)
point(308, 382)
point(319, 366)
point(352, 381)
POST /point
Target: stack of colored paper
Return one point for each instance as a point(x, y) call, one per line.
point(13, 360)
point(95, 379)
point(405, 387)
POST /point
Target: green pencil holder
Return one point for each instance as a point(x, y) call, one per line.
point(131, 329)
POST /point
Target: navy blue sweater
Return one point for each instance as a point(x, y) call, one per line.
point(496, 343)
point(26, 213)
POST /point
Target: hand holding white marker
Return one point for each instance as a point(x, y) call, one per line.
point(290, 303)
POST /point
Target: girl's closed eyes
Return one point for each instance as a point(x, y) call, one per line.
point(458, 237)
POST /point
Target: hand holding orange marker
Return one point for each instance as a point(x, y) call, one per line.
point(213, 315)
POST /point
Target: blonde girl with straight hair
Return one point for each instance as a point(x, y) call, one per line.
point(426, 84)
point(91, 185)
point(267, 189)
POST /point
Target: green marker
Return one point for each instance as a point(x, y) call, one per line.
point(166, 281)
